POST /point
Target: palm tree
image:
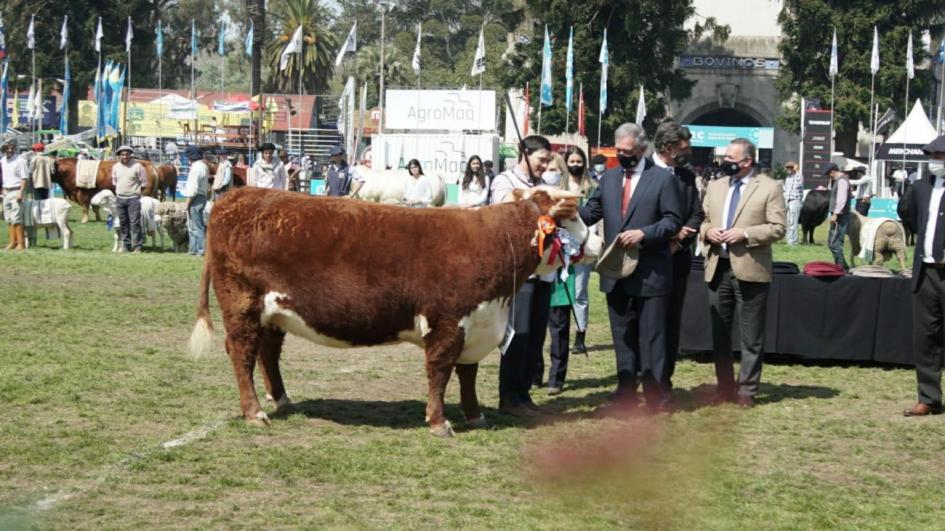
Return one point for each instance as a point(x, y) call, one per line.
point(397, 72)
point(319, 45)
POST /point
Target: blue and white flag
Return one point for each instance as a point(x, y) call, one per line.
point(569, 72)
point(98, 36)
point(159, 40)
point(641, 108)
point(604, 66)
point(249, 39)
point(193, 39)
point(294, 46)
point(546, 71)
point(221, 38)
point(940, 56)
point(350, 44)
point(415, 62)
point(874, 57)
point(833, 55)
point(31, 34)
point(64, 111)
point(64, 33)
point(129, 35)
point(910, 64)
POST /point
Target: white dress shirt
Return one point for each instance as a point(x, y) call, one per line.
point(938, 189)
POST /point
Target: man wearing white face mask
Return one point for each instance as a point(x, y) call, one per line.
point(928, 282)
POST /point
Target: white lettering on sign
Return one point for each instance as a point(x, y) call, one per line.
point(440, 110)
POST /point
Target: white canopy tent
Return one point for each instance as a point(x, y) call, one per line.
point(904, 145)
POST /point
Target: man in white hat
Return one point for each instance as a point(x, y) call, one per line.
point(129, 178)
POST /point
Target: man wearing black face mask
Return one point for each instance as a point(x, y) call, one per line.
point(744, 215)
point(640, 204)
point(673, 152)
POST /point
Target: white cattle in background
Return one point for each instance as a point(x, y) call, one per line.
point(52, 213)
point(150, 219)
point(388, 186)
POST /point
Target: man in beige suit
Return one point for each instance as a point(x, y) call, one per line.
point(744, 215)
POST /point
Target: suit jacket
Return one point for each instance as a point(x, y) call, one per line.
point(921, 196)
point(654, 208)
point(692, 217)
point(760, 213)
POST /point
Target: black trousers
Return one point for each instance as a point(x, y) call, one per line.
point(519, 364)
point(728, 298)
point(928, 335)
point(559, 329)
point(638, 328)
point(129, 215)
point(674, 321)
point(863, 207)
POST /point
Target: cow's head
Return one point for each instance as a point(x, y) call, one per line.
point(105, 199)
point(562, 207)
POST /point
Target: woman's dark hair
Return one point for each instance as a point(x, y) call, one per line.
point(414, 162)
point(586, 182)
point(531, 144)
point(479, 175)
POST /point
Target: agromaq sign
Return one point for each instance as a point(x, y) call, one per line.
point(440, 110)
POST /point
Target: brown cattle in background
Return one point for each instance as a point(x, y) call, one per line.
point(65, 175)
point(167, 180)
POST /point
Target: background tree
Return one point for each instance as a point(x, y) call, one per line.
point(807, 27)
point(318, 52)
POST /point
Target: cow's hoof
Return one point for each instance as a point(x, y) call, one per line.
point(444, 431)
point(283, 403)
point(261, 420)
point(477, 423)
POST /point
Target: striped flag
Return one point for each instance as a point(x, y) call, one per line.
point(98, 36)
point(546, 70)
point(874, 57)
point(31, 34)
point(64, 33)
point(221, 38)
point(159, 40)
point(910, 65)
point(604, 60)
point(833, 55)
point(294, 46)
point(129, 35)
point(249, 39)
point(569, 72)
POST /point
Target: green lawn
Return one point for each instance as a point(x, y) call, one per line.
point(96, 380)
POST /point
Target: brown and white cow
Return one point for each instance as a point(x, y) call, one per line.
point(346, 273)
point(65, 177)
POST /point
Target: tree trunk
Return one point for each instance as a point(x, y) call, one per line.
point(257, 13)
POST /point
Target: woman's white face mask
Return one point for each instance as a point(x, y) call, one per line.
point(551, 178)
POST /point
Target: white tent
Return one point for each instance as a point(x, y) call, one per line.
point(915, 132)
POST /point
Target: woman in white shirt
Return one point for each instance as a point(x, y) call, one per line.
point(268, 171)
point(418, 192)
point(474, 188)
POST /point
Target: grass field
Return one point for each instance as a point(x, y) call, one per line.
point(110, 424)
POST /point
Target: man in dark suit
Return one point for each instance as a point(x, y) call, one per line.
point(640, 204)
point(928, 282)
point(673, 152)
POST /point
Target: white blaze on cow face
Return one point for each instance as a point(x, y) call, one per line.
point(484, 328)
point(274, 314)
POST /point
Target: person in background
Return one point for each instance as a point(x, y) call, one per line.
point(474, 187)
point(744, 216)
point(268, 172)
point(41, 169)
point(337, 174)
point(793, 199)
point(487, 167)
point(673, 152)
point(418, 192)
point(571, 292)
point(15, 181)
point(292, 171)
point(532, 302)
point(196, 190)
point(598, 166)
point(224, 175)
point(864, 193)
point(839, 213)
point(129, 178)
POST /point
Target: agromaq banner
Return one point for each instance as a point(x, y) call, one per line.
point(440, 110)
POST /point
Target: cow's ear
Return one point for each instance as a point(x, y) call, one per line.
point(542, 198)
point(517, 195)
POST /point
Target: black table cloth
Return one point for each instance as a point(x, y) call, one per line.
point(847, 318)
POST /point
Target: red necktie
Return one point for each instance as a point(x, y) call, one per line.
point(627, 192)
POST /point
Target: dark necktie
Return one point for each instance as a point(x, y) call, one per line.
point(938, 239)
point(733, 203)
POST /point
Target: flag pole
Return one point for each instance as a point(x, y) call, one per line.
point(539, 115)
point(480, 102)
point(124, 114)
point(872, 131)
point(600, 119)
point(33, 104)
point(905, 124)
point(941, 97)
point(833, 85)
point(299, 110)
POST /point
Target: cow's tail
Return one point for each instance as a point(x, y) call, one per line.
point(201, 338)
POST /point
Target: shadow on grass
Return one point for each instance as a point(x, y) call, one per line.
point(396, 414)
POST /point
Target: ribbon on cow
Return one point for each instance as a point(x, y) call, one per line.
point(546, 226)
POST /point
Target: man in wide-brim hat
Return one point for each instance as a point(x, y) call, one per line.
point(129, 178)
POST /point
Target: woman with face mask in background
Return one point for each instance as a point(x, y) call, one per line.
point(574, 290)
